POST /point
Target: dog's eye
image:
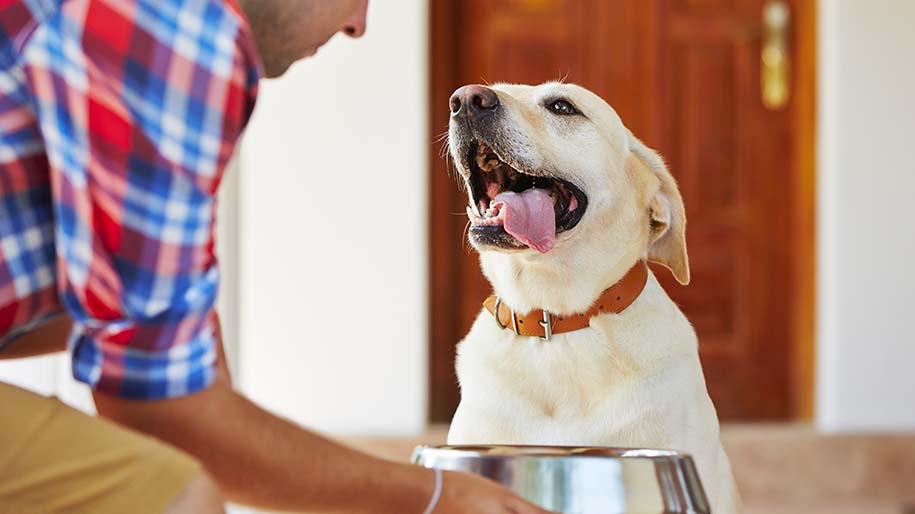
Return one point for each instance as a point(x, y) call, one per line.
point(562, 107)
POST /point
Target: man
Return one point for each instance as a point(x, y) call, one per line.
point(117, 119)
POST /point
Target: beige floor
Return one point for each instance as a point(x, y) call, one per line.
point(784, 469)
point(827, 508)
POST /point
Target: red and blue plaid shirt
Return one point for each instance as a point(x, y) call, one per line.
point(117, 119)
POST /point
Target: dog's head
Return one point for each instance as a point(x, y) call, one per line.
point(551, 171)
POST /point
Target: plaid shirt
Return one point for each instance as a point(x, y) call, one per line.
point(117, 119)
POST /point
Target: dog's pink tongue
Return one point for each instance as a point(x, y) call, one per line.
point(529, 216)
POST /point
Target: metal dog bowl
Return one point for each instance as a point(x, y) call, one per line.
point(582, 480)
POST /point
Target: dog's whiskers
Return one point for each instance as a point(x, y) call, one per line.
point(444, 150)
point(466, 238)
point(449, 167)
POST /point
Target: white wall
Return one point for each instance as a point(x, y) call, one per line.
point(48, 375)
point(333, 233)
point(227, 251)
point(866, 347)
point(38, 374)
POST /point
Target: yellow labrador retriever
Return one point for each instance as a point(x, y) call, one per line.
point(580, 344)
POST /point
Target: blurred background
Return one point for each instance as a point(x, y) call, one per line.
point(789, 126)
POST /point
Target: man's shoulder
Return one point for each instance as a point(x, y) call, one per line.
point(200, 28)
point(144, 38)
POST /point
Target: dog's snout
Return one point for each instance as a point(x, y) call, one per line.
point(473, 100)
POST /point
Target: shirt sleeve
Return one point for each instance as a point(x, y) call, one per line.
point(140, 104)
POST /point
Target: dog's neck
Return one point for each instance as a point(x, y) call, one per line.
point(566, 283)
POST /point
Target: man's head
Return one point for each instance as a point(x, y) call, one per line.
point(289, 30)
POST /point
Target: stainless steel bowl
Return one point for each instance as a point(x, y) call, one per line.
point(582, 480)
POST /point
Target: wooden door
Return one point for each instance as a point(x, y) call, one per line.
point(684, 75)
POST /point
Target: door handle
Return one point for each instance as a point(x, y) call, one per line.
point(775, 58)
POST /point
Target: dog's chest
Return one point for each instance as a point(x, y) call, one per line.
point(596, 386)
point(574, 380)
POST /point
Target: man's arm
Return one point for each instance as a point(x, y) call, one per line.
point(262, 460)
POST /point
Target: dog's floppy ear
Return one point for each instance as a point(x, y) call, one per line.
point(667, 216)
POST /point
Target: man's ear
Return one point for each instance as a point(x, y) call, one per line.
point(666, 215)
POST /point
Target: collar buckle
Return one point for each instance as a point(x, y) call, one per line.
point(547, 325)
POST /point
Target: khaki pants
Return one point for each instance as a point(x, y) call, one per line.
point(55, 459)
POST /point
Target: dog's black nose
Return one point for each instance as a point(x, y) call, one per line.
point(473, 100)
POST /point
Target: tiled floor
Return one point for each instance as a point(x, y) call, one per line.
point(826, 508)
point(784, 469)
point(791, 469)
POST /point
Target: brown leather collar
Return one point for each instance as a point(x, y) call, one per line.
point(543, 324)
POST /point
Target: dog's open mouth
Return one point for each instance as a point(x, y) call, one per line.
point(512, 208)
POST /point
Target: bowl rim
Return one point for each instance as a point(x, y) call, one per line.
point(545, 451)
